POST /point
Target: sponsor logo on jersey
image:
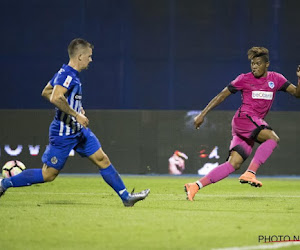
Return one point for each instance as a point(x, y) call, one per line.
point(271, 84)
point(264, 95)
point(78, 97)
point(67, 81)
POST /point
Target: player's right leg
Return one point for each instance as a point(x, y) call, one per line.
point(49, 173)
point(25, 178)
point(215, 175)
point(28, 177)
point(54, 159)
point(240, 149)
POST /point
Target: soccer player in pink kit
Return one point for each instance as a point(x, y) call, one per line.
point(258, 89)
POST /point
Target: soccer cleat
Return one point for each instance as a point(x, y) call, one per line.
point(191, 189)
point(250, 178)
point(135, 197)
point(2, 190)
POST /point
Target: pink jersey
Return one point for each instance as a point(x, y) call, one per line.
point(257, 93)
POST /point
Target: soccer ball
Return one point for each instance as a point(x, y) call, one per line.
point(12, 168)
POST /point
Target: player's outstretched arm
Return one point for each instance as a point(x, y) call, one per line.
point(292, 89)
point(47, 91)
point(59, 100)
point(199, 119)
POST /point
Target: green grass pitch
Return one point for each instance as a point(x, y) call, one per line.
point(85, 213)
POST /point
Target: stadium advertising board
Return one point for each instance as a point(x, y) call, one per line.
point(148, 142)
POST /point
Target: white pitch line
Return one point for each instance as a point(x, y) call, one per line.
point(264, 246)
point(250, 196)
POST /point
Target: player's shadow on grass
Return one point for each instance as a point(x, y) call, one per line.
point(68, 202)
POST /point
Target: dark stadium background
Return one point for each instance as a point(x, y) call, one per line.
point(154, 61)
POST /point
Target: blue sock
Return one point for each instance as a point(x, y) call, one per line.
point(112, 178)
point(26, 178)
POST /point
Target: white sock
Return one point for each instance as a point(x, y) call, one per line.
point(199, 184)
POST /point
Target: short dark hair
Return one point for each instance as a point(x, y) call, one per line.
point(77, 44)
point(258, 52)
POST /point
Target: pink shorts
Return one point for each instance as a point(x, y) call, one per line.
point(245, 130)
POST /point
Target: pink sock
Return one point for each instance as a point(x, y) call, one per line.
point(217, 174)
point(262, 153)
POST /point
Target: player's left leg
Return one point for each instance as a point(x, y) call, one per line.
point(269, 141)
point(109, 173)
point(90, 147)
point(112, 178)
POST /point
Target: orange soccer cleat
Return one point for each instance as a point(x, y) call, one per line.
point(250, 178)
point(191, 189)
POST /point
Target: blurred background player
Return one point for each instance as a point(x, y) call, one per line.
point(258, 89)
point(177, 163)
point(69, 130)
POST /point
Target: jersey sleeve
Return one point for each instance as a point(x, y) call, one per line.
point(282, 82)
point(236, 85)
point(52, 80)
point(62, 79)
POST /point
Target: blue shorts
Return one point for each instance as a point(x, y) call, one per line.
point(57, 152)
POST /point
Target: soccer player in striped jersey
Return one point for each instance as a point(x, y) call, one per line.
point(258, 89)
point(69, 130)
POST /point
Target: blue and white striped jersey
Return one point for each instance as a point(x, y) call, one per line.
point(64, 124)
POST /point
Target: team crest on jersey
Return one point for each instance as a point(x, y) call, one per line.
point(271, 85)
point(54, 160)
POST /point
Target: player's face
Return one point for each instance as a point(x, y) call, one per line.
point(86, 58)
point(259, 67)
